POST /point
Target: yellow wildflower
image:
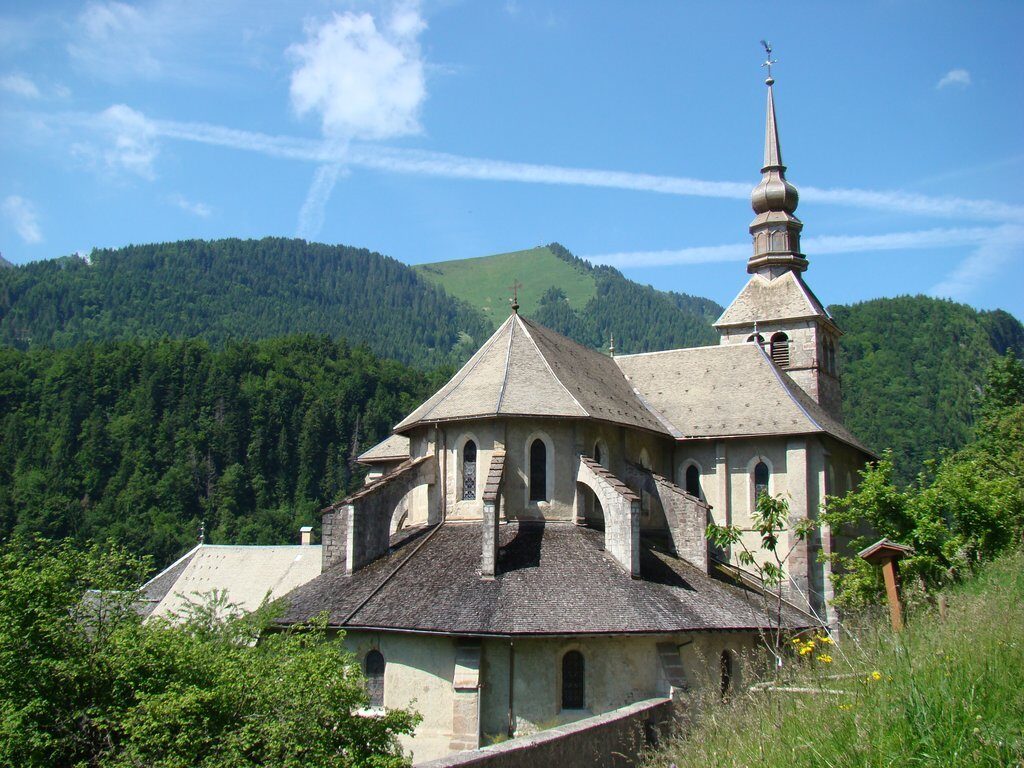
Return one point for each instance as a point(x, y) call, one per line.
point(876, 675)
point(825, 640)
point(825, 658)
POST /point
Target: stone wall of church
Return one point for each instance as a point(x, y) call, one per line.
point(803, 469)
point(420, 673)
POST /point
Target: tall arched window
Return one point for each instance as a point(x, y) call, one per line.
point(374, 666)
point(832, 368)
point(693, 480)
point(574, 674)
point(725, 666)
point(780, 349)
point(597, 452)
point(469, 471)
point(761, 477)
point(538, 471)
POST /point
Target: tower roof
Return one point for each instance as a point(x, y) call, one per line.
point(775, 229)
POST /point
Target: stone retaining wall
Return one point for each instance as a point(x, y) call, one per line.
point(611, 740)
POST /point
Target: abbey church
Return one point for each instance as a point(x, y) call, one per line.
point(530, 545)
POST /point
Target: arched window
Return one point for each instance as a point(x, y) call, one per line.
point(756, 337)
point(832, 367)
point(726, 670)
point(374, 666)
point(574, 674)
point(469, 471)
point(780, 349)
point(693, 480)
point(761, 477)
point(645, 459)
point(597, 452)
point(538, 471)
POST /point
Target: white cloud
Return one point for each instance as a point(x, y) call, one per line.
point(364, 80)
point(442, 165)
point(21, 214)
point(114, 39)
point(131, 141)
point(201, 210)
point(20, 85)
point(814, 246)
point(1001, 246)
point(957, 77)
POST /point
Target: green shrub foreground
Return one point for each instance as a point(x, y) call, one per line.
point(84, 681)
point(944, 692)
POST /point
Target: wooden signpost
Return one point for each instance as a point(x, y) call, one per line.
point(887, 554)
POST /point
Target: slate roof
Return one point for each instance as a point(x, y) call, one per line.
point(525, 369)
point(730, 390)
point(248, 574)
point(553, 579)
point(785, 298)
point(393, 448)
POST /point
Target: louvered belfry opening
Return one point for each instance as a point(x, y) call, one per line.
point(780, 350)
point(469, 471)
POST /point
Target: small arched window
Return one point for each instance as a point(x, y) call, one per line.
point(761, 477)
point(756, 337)
point(538, 471)
point(597, 452)
point(574, 674)
point(693, 480)
point(832, 366)
point(726, 671)
point(645, 459)
point(374, 666)
point(780, 349)
point(469, 470)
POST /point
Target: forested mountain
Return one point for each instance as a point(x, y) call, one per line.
point(912, 368)
point(140, 441)
point(585, 302)
point(237, 289)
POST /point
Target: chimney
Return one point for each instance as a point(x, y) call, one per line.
point(492, 513)
point(306, 535)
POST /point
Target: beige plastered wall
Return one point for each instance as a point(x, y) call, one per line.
point(419, 672)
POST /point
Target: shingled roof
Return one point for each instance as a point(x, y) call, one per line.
point(553, 579)
point(731, 390)
point(248, 575)
point(393, 448)
point(525, 369)
point(785, 298)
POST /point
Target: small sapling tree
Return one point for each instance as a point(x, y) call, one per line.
point(767, 561)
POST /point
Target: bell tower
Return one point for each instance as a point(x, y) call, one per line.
point(776, 309)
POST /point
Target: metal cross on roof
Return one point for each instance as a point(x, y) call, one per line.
point(769, 61)
point(516, 285)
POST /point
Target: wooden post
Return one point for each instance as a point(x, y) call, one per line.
point(887, 554)
point(892, 591)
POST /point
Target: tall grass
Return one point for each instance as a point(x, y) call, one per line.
point(944, 692)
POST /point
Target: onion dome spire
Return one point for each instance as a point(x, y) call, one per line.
point(775, 229)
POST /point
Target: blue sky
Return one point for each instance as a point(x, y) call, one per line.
point(629, 132)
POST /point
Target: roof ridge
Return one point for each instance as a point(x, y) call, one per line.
point(551, 370)
point(787, 390)
point(388, 578)
point(504, 378)
point(172, 565)
point(469, 367)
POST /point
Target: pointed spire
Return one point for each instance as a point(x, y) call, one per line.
point(775, 229)
point(772, 150)
point(611, 345)
point(514, 301)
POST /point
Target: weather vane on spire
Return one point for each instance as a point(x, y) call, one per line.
point(768, 62)
point(514, 301)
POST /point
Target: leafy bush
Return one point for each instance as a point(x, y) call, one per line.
point(84, 680)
